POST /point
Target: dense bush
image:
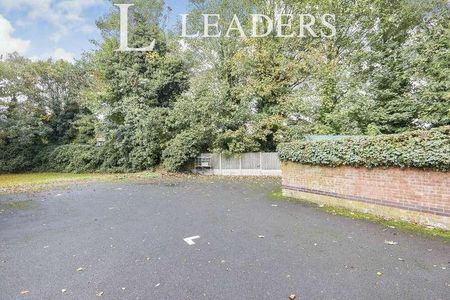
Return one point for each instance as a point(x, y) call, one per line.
point(183, 148)
point(418, 149)
point(16, 158)
point(70, 158)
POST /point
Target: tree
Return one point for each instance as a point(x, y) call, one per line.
point(139, 88)
point(430, 69)
point(39, 105)
point(386, 70)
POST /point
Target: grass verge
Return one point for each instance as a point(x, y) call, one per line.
point(277, 194)
point(33, 182)
point(400, 225)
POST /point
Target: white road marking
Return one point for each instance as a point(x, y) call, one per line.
point(190, 241)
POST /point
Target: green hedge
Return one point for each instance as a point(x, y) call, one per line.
point(73, 158)
point(17, 158)
point(183, 148)
point(417, 149)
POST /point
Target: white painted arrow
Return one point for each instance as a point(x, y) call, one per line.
point(190, 240)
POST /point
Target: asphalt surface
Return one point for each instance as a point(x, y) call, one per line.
point(126, 241)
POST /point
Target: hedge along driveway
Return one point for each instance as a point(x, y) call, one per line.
point(417, 149)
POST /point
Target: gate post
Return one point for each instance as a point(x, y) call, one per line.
point(220, 163)
point(260, 163)
point(240, 165)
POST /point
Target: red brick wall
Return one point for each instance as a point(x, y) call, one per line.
point(411, 189)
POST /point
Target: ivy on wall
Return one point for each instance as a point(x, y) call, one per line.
point(416, 149)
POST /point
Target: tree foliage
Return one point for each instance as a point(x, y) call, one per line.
point(385, 71)
point(39, 105)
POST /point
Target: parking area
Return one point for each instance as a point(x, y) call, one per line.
point(206, 238)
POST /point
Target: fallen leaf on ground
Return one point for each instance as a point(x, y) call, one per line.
point(261, 236)
point(24, 292)
point(99, 294)
point(292, 297)
point(158, 285)
point(379, 273)
point(80, 269)
point(390, 243)
point(63, 291)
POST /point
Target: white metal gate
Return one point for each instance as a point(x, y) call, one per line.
point(247, 164)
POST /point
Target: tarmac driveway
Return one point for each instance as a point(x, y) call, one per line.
point(205, 239)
